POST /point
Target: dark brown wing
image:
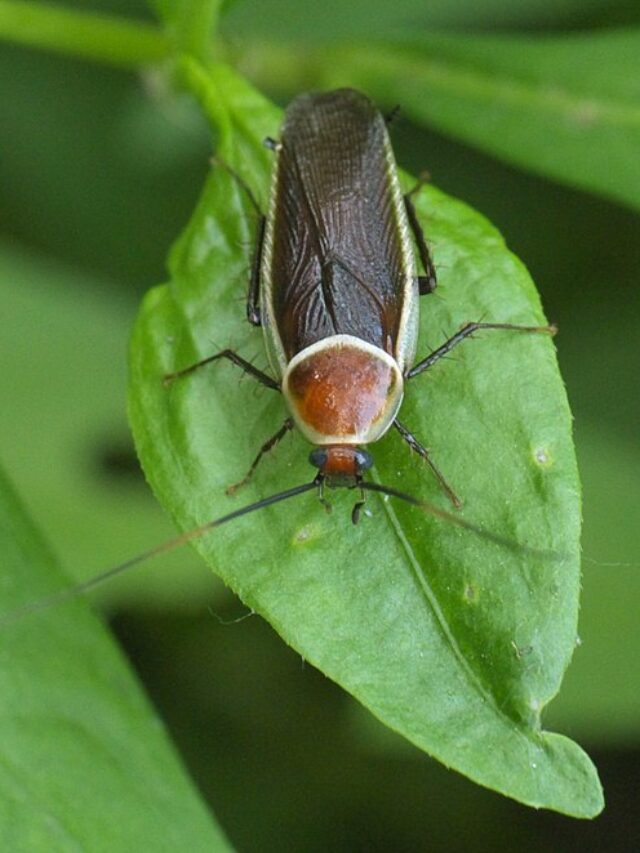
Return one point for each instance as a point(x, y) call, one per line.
point(337, 260)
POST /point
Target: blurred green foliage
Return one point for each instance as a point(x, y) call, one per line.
point(85, 763)
point(99, 171)
point(562, 106)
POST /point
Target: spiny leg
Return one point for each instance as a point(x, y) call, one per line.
point(392, 115)
point(320, 482)
point(466, 332)
point(263, 379)
point(235, 359)
point(358, 505)
point(218, 161)
point(422, 451)
point(266, 447)
point(427, 283)
point(253, 292)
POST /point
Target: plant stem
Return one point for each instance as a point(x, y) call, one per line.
point(192, 27)
point(102, 38)
point(196, 78)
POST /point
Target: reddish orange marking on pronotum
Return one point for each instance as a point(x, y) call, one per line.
point(341, 390)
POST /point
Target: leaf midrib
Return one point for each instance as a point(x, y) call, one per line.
point(431, 600)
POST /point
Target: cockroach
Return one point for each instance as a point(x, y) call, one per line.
point(335, 287)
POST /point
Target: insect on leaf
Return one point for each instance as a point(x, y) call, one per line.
point(453, 641)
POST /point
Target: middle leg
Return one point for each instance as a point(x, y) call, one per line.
point(266, 447)
point(422, 451)
point(234, 358)
point(466, 332)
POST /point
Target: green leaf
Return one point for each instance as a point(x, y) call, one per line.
point(85, 764)
point(563, 106)
point(451, 640)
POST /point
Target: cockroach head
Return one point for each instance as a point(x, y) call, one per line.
point(341, 464)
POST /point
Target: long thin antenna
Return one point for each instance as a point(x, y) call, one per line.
point(503, 541)
point(80, 589)
point(194, 533)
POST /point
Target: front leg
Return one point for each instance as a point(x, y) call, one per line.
point(266, 447)
point(422, 451)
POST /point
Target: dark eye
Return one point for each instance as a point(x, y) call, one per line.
point(364, 460)
point(318, 457)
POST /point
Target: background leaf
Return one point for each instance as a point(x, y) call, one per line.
point(453, 642)
point(335, 19)
point(600, 698)
point(566, 107)
point(85, 763)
